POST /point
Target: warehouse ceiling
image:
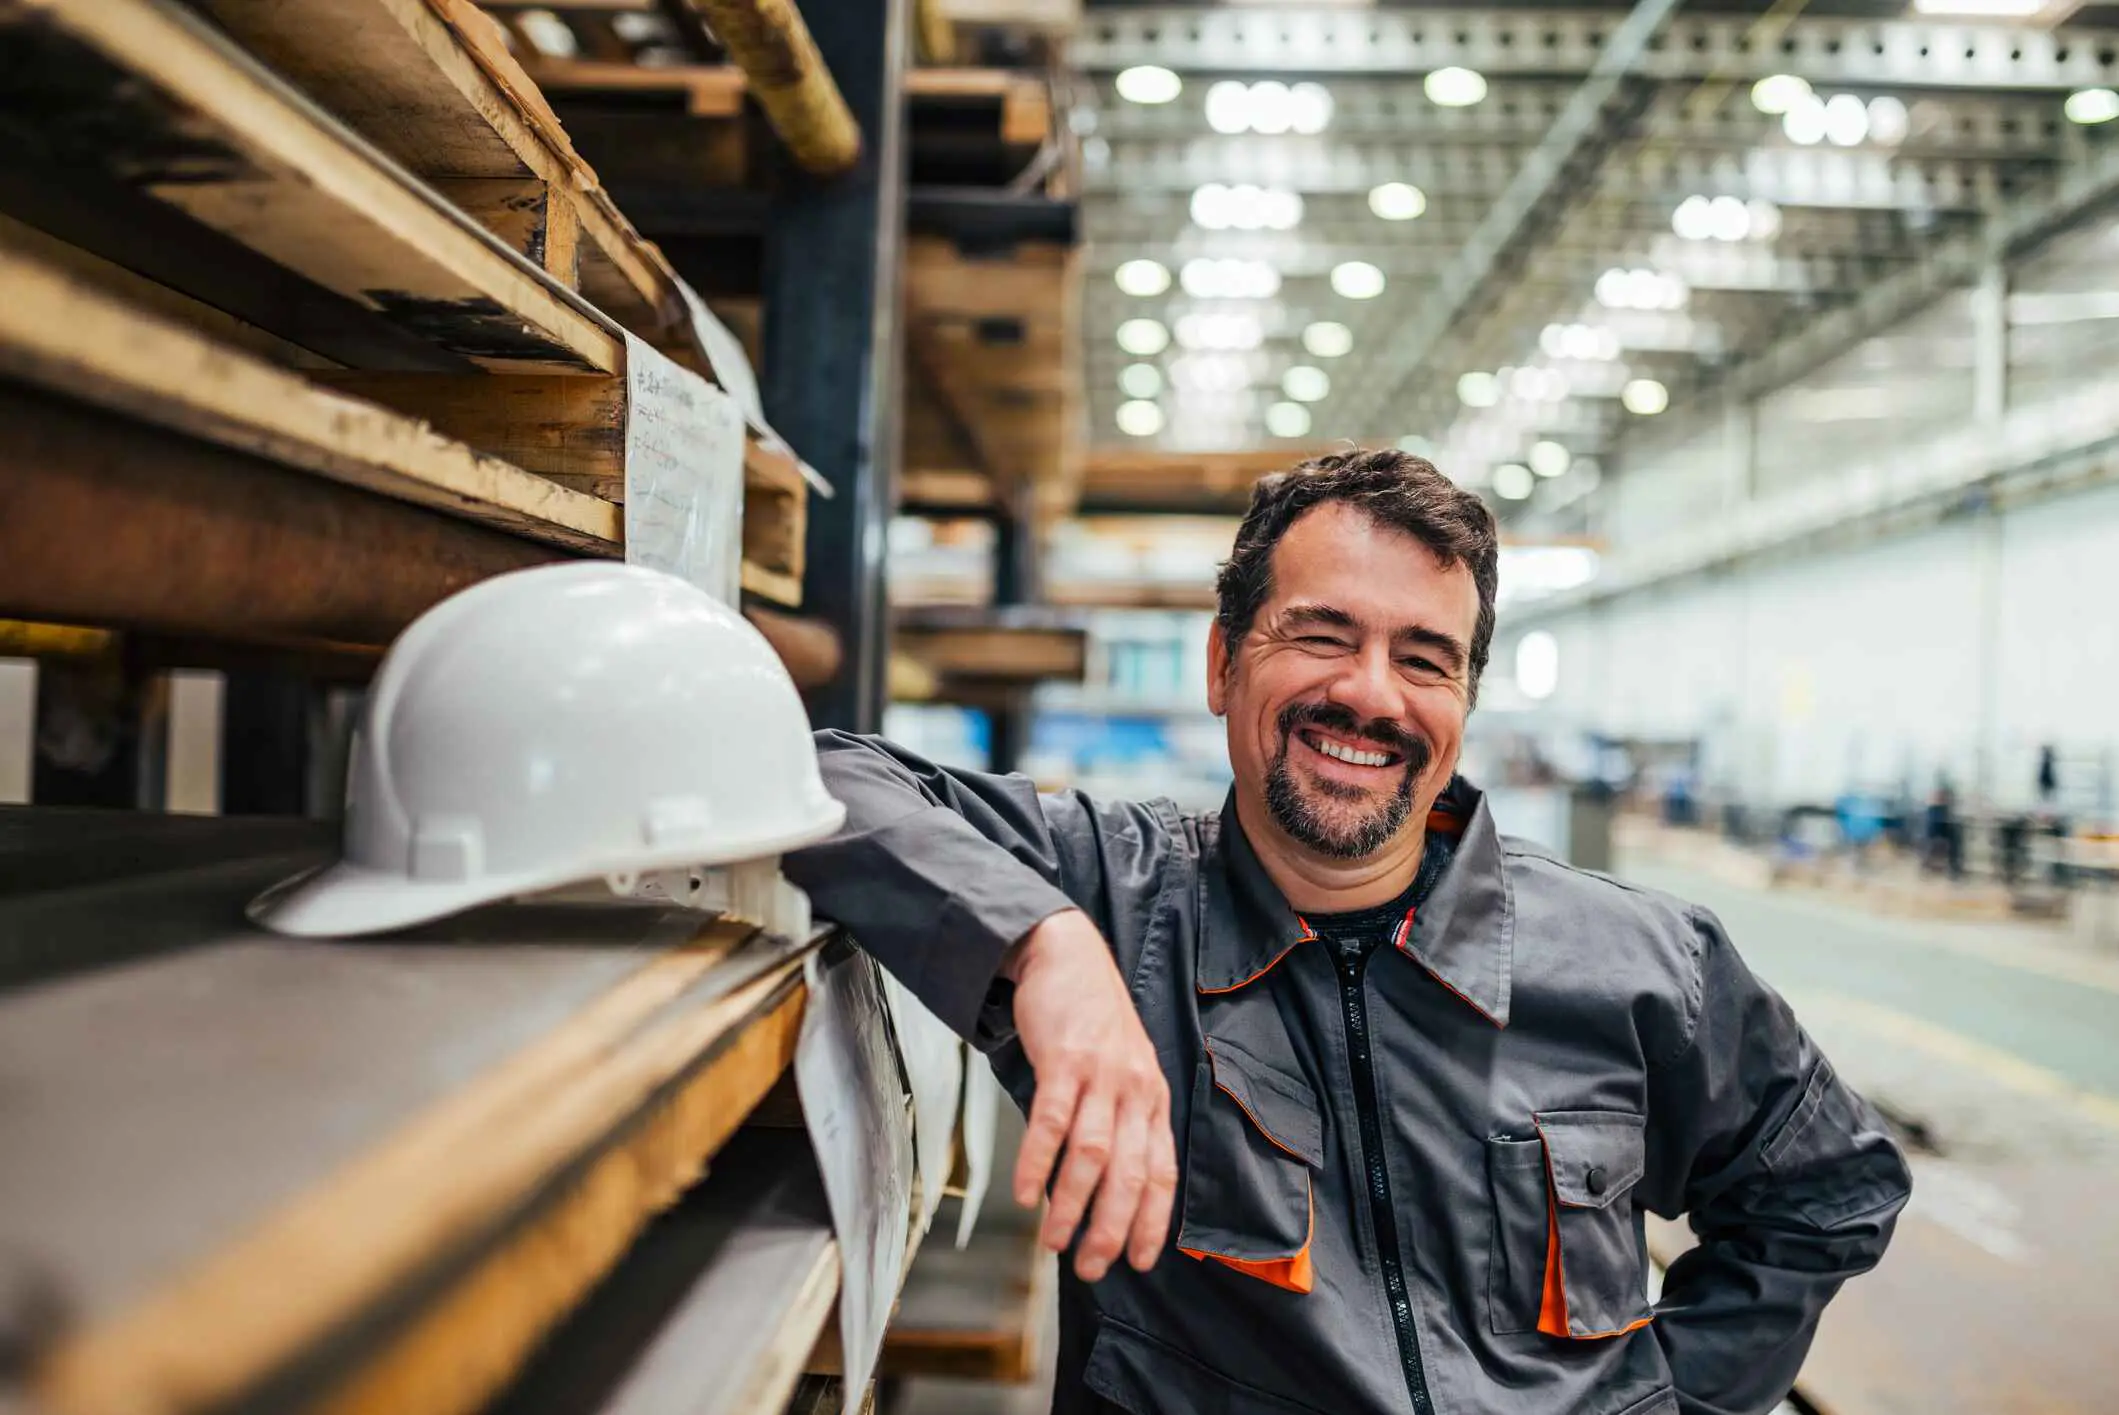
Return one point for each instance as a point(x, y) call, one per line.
point(1509, 233)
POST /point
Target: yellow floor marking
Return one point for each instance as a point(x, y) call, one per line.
point(1945, 1045)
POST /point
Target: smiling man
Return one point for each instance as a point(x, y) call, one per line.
point(1345, 1102)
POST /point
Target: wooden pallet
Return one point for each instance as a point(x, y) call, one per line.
point(383, 1169)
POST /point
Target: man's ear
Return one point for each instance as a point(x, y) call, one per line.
point(1217, 671)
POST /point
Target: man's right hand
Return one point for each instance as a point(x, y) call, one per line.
point(1100, 1095)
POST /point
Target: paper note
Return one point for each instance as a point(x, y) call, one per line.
point(732, 370)
point(683, 474)
point(934, 1068)
point(853, 1104)
point(982, 1113)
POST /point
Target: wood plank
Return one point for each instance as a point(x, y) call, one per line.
point(209, 132)
point(106, 521)
point(974, 1313)
point(57, 331)
point(715, 1308)
point(996, 653)
point(433, 85)
point(375, 1109)
point(530, 215)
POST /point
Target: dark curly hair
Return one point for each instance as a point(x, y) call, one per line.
point(1394, 488)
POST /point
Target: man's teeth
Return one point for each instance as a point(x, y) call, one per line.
point(1348, 754)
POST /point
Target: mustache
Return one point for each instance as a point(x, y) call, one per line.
point(1334, 718)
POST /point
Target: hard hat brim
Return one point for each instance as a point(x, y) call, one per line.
point(343, 900)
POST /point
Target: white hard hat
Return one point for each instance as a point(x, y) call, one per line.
point(555, 725)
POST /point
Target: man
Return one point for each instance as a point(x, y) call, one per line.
point(1396, 1091)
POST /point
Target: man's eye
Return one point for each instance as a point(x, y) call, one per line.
point(1420, 665)
point(1321, 640)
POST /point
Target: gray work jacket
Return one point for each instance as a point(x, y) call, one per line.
point(1400, 1185)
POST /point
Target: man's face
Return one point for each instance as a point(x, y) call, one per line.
point(1347, 700)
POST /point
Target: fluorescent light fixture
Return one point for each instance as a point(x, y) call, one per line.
point(1478, 390)
point(1211, 373)
point(1804, 122)
point(1306, 384)
point(1846, 120)
point(1143, 337)
point(1777, 93)
point(1454, 87)
point(1694, 219)
point(1981, 9)
point(1765, 218)
point(1640, 289)
point(1357, 280)
point(1538, 664)
point(1139, 418)
point(1889, 120)
point(1149, 83)
point(1288, 420)
point(1328, 339)
point(1645, 396)
point(1229, 279)
point(1311, 107)
point(1220, 332)
point(1140, 380)
point(1142, 278)
point(1549, 458)
point(1272, 108)
point(1728, 219)
point(1245, 207)
point(1229, 107)
point(1282, 210)
point(2091, 105)
point(1513, 481)
point(1396, 201)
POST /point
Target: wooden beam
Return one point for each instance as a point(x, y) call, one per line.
point(57, 331)
point(432, 84)
point(1189, 483)
point(105, 521)
point(530, 215)
point(208, 131)
point(995, 653)
point(937, 489)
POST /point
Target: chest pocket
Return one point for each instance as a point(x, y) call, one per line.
point(1567, 1258)
point(1254, 1139)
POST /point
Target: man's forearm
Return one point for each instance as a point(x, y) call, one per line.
point(1735, 1333)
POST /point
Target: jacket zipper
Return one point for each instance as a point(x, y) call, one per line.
point(1351, 966)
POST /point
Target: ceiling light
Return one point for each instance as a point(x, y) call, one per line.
point(1283, 210)
point(1210, 207)
point(1889, 122)
point(1640, 289)
point(2091, 105)
point(1272, 107)
point(1454, 87)
point(1513, 481)
point(1306, 384)
point(1765, 218)
point(1142, 277)
point(1538, 664)
point(1550, 459)
point(1395, 201)
point(1140, 380)
point(1728, 219)
point(1211, 373)
point(1328, 339)
point(1220, 331)
point(1478, 390)
point(1229, 279)
point(1804, 122)
point(1553, 340)
point(1645, 396)
point(1778, 93)
point(1288, 420)
point(1139, 419)
point(1846, 120)
point(1357, 280)
point(1694, 219)
point(1149, 83)
point(1143, 337)
point(1310, 107)
point(1229, 107)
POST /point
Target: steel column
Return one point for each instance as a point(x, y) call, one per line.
point(833, 341)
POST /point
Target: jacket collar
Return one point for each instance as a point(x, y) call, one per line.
point(1464, 934)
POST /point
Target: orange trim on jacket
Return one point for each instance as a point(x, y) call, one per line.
point(1293, 1274)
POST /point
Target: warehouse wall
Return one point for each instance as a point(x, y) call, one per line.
point(1959, 647)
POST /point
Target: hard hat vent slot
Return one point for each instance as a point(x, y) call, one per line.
point(447, 849)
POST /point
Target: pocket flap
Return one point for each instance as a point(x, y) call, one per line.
point(1596, 1155)
point(1281, 1106)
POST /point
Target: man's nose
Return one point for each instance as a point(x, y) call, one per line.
point(1367, 685)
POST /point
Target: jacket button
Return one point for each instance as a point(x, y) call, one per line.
point(1594, 1181)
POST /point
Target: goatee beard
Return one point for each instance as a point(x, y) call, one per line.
point(1295, 813)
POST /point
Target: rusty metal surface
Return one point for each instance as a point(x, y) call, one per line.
point(103, 522)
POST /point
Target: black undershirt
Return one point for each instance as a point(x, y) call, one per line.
point(1360, 930)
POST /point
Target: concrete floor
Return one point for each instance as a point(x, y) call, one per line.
point(2000, 1044)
